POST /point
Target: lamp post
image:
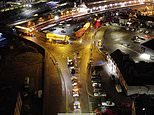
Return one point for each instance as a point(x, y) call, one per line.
point(152, 7)
point(80, 1)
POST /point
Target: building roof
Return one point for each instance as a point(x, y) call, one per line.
point(137, 74)
point(96, 3)
point(149, 44)
point(146, 102)
point(146, 18)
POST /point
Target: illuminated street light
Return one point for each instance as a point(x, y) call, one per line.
point(145, 56)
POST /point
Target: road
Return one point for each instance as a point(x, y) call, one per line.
point(58, 87)
point(60, 52)
point(64, 51)
point(39, 26)
point(107, 84)
point(82, 14)
point(121, 38)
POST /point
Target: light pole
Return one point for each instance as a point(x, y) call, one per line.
point(4, 4)
point(152, 7)
point(80, 1)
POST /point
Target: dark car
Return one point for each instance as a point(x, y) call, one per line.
point(72, 70)
point(95, 80)
point(63, 31)
point(95, 76)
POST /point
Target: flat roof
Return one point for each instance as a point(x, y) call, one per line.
point(95, 3)
point(137, 74)
point(66, 28)
point(146, 18)
point(149, 44)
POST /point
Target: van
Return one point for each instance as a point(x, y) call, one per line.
point(118, 88)
point(27, 81)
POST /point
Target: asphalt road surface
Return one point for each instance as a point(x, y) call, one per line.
point(117, 38)
point(58, 88)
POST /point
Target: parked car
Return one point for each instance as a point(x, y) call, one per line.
point(96, 85)
point(94, 73)
point(72, 70)
point(125, 44)
point(95, 80)
point(97, 90)
point(100, 94)
point(137, 39)
point(63, 31)
point(108, 103)
point(75, 88)
point(147, 32)
point(70, 62)
point(76, 105)
point(75, 94)
point(118, 88)
point(74, 79)
point(75, 83)
point(95, 76)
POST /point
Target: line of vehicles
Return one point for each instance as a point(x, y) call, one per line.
point(73, 69)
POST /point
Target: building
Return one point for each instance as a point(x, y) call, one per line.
point(18, 105)
point(148, 45)
point(144, 105)
point(135, 78)
point(10, 100)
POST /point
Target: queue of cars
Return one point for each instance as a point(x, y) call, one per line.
point(137, 39)
point(72, 65)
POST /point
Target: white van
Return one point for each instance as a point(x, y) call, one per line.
point(118, 88)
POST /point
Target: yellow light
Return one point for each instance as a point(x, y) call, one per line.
point(50, 40)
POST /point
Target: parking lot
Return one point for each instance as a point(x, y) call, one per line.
point(104, 96)
point(66, 27)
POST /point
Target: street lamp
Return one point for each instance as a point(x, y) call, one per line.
point(145, 56)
